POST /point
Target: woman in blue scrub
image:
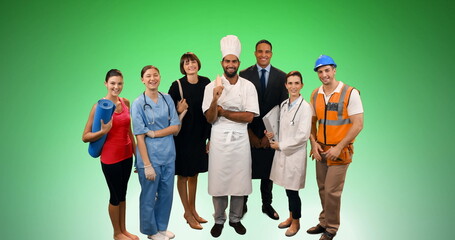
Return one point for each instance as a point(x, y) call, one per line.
point(155, 121)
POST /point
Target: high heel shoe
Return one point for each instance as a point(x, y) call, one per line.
point(200, 220)
point(192, 222)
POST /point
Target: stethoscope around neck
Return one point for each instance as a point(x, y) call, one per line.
point(293, 118)
point(153, 113)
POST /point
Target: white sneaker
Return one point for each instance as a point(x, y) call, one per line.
point(168, 234)
point(158, 236)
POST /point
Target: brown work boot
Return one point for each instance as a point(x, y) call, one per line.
point(316, 229)
point(327, 236)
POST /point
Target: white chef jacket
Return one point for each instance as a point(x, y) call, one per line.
point(229, 156)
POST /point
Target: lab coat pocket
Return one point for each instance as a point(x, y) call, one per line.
point(296, 162)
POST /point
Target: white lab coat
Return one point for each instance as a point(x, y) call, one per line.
point(229, 156)
point(289, 162)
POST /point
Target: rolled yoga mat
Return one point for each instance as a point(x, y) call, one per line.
point(104, 110)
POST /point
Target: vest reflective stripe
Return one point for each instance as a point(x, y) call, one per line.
point(333, 119)
point(335, 122)
point(341, 102)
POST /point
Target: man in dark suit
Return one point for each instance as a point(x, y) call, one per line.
point(270, 86)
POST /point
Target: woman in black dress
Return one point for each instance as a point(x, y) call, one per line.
point(191, 141)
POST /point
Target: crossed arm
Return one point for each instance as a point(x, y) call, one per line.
point(216, 111)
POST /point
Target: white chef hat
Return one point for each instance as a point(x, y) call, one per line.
point(230, 45)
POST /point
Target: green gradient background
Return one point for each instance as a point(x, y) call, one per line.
point(399, 54)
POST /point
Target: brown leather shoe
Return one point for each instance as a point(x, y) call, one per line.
point(192, 222)
point(290, 233)
point(200, 219)
point(327, 236)
point(285, 224)
point(316, 229)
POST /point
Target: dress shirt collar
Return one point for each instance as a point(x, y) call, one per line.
point(266, 68)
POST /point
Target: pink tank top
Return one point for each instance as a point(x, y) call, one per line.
point(118, 146)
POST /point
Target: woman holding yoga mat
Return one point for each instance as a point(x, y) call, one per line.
point(155, 121)
point(116, 153)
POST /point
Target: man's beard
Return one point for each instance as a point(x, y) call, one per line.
point(230, 75)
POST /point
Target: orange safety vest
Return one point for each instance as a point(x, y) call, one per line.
point(333, 119)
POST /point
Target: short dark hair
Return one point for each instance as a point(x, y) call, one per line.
point(144, 69)
point(190, 57)
point(263, 41)
point(113, 73)
point(294, 73)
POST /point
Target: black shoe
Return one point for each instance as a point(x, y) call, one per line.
point(268, 209)
point(316, 229)
point(327, 236)
point(216, 230)
point(239, 228)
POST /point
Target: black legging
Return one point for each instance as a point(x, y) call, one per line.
point(117, 176)
point(295, 205)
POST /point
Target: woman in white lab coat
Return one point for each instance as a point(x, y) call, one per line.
point(289, 162)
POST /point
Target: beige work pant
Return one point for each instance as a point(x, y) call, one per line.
point(330, 182)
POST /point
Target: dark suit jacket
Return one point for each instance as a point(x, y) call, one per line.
point(274, 94)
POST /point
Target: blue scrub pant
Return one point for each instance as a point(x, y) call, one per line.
point(156, 199)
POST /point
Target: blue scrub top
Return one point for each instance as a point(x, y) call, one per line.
point(161, 151)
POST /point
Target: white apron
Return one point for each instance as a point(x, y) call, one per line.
point(229, 156)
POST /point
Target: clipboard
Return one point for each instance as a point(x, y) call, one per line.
point(272, 121)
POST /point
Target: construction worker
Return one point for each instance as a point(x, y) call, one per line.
point(337, 120)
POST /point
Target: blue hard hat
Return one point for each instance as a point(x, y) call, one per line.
point(322, 61)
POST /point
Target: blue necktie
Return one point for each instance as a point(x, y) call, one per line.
point(263, 80)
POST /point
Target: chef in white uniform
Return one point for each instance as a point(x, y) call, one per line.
point(230, 103)
point(289, 163)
